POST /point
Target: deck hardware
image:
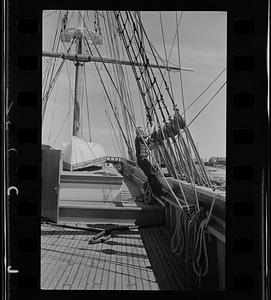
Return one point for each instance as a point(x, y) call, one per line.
point(99, 238)
point(106, 234)
point(91, 229)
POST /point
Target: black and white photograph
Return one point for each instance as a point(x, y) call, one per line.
point(133, 150)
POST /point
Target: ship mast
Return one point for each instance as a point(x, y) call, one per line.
point(76, 36)
point(78, 78)
point(79, 58)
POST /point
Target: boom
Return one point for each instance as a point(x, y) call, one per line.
point(87, 58)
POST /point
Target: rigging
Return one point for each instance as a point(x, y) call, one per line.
point(169, 144)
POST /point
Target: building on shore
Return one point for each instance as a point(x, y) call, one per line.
point(217, 161)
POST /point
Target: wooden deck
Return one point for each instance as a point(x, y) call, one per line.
point(130, 260)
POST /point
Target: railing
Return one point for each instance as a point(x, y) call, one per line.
point(113, 159)
point(117, 159)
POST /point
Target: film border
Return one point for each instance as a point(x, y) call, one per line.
point(246, 146)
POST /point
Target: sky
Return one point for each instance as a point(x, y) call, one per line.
point(202, 38)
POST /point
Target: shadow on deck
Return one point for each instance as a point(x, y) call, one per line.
point(130, 260)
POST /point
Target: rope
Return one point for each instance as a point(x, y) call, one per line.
point(49, 14)
point(179, 61)
point(172, 152)
point(201, 245)
point(150, 94)
point(182, 159)
point(51, 123)
point(161, 73)
point(52, 83)
point(171, 48)
point(60, 129)
point(110, 121)
point(151, 78)
point(141, 110)
point(52, 60)
point(175, 171)
point(82, 104)
point(178, 201)
point(173, 155)
point(162, 30)
point(70, 96)
point(183, 236)
point(189, 150)
point(120, 79)
point(189, 234)
point(190, 225)
point(191, 162)
point(189, 240)
point(108, 45)
point(87, 144)
point(56, 48)
point(109, 99)
point(129, 93)
point(125, 95)
point(183, 102)
point(88, 114)
point(142, 93)
point(207, 103)
point(205, 89)
point(198, 157)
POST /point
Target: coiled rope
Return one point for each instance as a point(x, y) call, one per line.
point(189, 240)
point(201, 245)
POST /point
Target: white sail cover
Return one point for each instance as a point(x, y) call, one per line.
point(81, 154)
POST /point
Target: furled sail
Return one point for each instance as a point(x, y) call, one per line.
point(79, 154)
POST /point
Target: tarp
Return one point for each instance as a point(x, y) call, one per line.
point(79, 154)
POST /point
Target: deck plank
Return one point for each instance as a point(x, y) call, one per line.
point(49, 254)
point(118, 265)
point(93, 266)
point(112, 267)
point(144, 264)
point(70, 261)
point(131, 266)
point(65, 257)
point(135, 260)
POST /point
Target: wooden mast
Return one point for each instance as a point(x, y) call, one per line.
point(78, 81)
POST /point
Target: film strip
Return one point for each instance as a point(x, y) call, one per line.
point(247, 149)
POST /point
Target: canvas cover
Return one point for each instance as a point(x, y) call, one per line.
point(79, 154)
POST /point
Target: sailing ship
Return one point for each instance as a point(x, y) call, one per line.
point(79, 176)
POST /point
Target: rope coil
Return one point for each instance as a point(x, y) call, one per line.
point(189, 239)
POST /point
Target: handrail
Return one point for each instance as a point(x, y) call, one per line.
point(218, 216)
point(120, 160)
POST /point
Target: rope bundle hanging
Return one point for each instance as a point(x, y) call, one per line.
point(164, 137)
point(189, 240)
